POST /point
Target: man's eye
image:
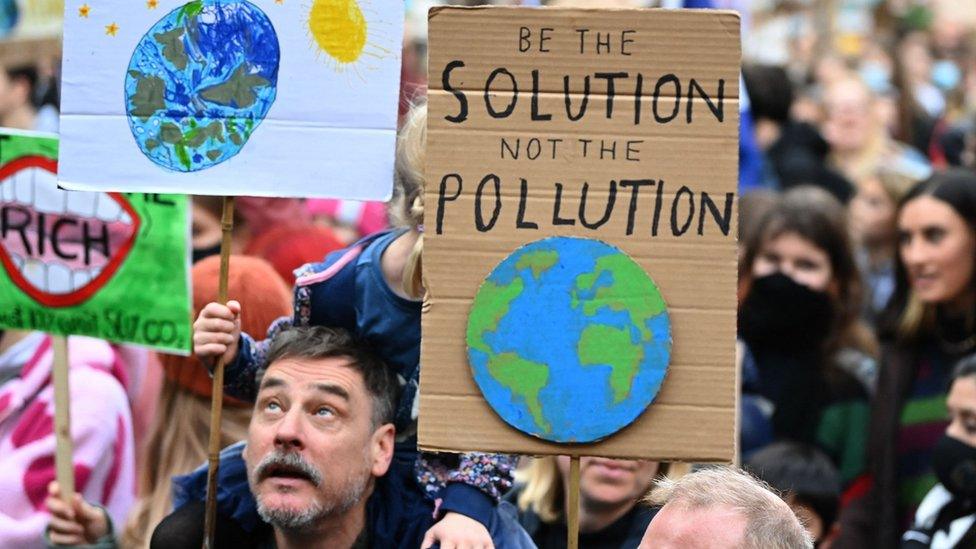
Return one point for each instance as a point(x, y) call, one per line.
point(272, 407)
point(324, 412)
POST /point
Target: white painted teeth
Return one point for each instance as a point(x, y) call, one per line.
point(39, 188)
point(82, 204)
point(48, 198)
point(58, 279)
point(54, 278)
point(36, 273)
point(23, 187)
point(79, 278)
point(107, 208)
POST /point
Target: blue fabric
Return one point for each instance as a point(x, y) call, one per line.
point(381, 317)
point(398, 514)
point(755, 412)
point(468, 501)
point(750, 157)
point(234, 499)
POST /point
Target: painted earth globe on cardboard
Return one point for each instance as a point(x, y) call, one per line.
point(200, 81)
point(569, 339)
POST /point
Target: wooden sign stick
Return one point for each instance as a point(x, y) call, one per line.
point(217, 393)
point(64, 448)
point(572, 511)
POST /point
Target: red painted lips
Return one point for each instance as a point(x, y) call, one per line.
point(60, 247)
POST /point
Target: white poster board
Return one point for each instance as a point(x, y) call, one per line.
point(231, 97)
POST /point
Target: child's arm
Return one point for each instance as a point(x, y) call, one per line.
point(476, 482)
point(217, 333)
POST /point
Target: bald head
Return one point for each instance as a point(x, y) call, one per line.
point(722, 508)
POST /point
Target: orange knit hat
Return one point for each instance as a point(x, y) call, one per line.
point(263, 297)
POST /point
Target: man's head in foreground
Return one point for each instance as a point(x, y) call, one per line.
point(721, 508)
point(321, 430)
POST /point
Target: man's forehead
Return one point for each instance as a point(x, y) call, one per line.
point(302, 372)
point(708, 524)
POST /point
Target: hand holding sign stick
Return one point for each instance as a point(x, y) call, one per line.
point(217, 394)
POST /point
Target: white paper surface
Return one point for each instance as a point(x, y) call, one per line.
point(330, 130)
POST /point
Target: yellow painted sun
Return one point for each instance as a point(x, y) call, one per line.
point(339, 28)
point(351, 36)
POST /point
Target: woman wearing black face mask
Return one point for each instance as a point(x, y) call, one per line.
point(946, 518)
point(808, 362)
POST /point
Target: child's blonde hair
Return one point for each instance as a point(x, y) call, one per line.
point(407, 205)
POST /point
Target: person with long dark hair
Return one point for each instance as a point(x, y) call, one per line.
point(929, 325)
point(807, 358)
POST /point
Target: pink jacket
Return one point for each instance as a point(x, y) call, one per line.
point(101, 427)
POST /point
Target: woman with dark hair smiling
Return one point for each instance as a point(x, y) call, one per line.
point(930, 324)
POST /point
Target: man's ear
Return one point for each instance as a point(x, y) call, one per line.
point(381, 445)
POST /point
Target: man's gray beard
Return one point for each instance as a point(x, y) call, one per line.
point(304, 519)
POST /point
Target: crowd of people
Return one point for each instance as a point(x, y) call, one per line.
point(856, 340)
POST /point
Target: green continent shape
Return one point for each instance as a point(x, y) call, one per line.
point(601, 344)
point(489, 307)
point(629, 291)
point(149, 96)
point(190, 10)
point(525, 379)
point(238, 90)
point(172, 44)
point(539, 261)
point(198, 135)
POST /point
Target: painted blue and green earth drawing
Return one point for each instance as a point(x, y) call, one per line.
point(200, 82)
point(569, 339)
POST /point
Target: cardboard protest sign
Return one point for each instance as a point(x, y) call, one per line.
point(107, 265)
point(231, 97)
point(579, 248)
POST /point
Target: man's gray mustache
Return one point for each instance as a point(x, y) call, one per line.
point(289, 461)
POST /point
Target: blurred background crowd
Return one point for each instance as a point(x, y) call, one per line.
point(857, 322)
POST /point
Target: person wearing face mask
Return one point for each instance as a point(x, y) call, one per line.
point(807, 359)
point(611, 515)
point(929, 325)
point(946, 518)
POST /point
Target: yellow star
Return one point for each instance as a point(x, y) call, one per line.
point(111, 29)
point(84, 10)
point(279, 1)
point(151, 4)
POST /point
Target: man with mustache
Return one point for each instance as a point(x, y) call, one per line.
point(320, 435)
point(319, 446)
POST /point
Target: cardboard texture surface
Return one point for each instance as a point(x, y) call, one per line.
point(108, 265)
point(650, 168)
point(231, 97)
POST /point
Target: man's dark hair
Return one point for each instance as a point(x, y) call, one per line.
point(317, 342)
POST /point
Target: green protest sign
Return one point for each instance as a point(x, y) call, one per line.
point(106, 265)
